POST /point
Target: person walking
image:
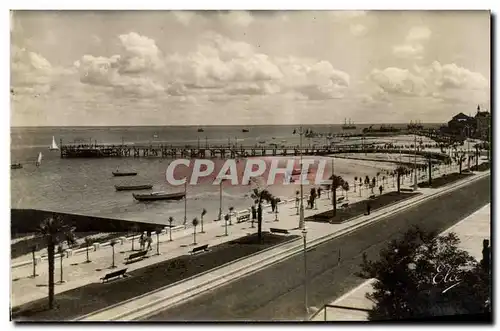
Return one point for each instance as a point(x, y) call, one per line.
point(319, 192)
point(368, 207)
point(141, 241)
point(149, 240)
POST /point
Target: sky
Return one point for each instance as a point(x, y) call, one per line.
point(85, 68)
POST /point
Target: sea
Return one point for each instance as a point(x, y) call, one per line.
point(86, 186)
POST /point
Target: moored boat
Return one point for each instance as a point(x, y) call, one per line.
point(16, 166)
point(244, 130)
point(201, 130)
point(159, 196)
point(120, 174)
point(133, 187)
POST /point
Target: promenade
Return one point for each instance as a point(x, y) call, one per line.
point(76, 273)
point(471, 231)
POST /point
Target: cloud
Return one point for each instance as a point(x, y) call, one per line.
point(408, 51)
point(219, 65)
point(358, 29)
point(184, 17)
point(418, 34)
point(413, 47)
point(435, 80)
point(31, 73)
point(241, 18)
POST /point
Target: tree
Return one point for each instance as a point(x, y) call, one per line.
point(459, 158)
point(195, 224)
point(170, 221)
point(203, 213)
point(410, 278)
point(88, 242)
point(400, 170)
point(55, 231)
point(337, 182)
point(260, 195)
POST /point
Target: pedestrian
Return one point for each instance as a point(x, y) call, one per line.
point(254, 213)
point(273, 205)
point(149, 241)
point(380, 188)
point(319, 192)
point(368, 208)
point(141, 241)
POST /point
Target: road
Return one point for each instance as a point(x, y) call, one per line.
point(277, 292)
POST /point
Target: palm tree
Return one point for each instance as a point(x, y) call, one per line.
point(54, 230)
point(400, 170)
point(135, 229)
point(337, 182)
point(195, 224)
point(203, 213)
point(459, 158)
point(170, 221)
point(260, 195)
point(88, 242)
point(231, 215)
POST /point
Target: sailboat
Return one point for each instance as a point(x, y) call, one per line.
point(39, 160)
point(348, 126)
point(53, 147)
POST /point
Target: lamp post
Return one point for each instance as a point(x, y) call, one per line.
point(306, 309)
point(185, 202)
point(220, 200)
point(415, 185)
point(301, 208)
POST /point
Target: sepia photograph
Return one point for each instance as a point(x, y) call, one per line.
point(250, 165)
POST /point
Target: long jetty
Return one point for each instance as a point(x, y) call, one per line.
point(222, 151)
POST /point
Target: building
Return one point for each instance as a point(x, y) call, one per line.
point(483, 124)
point(462, 125)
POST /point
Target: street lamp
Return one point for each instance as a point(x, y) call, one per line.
point(220, 200)
point(468, 146)
point(301, 212)
point(306, 309)
point(185, 202)
point(415, 185)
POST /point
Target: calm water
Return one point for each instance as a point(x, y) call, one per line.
point(86, 186)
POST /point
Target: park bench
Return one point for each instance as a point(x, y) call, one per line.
point(345, 205)
point(199, 249)
point(114, 274)
point(282, 231)
point(406, 190)
point(340, 199)
point(243, 216)
point(136, 256)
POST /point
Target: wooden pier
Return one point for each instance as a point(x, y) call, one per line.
point(220, 151)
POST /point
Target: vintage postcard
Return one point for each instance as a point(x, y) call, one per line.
point(250, 166)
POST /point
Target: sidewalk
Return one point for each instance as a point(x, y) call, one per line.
point(76, 273)
point(471, 231)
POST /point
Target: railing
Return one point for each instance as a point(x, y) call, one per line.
point(324, 311)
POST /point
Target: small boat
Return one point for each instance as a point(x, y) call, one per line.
point(121, 174)
point(283, 141)
point(201, 130)
point(39, 160)
point(262, 141)
point(133, 187)
point(159, 196)
point(244, 130)
point(53, 147)
point(16, 166)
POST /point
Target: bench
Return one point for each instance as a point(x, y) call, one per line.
point(243, 216)
point(114, 274)
point(198, 249)
point(282, 231)
point(136, 256)
point(340, 199)
point(345, 205)
point(406, 190)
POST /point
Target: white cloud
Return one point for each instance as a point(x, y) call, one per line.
point(358, 29)
point(218, 66)
point(241, 18)
point(418, 34)
point(435, 80)
point(413, 47)
point(184, 16)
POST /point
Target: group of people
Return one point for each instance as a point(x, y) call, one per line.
point(146, 239)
